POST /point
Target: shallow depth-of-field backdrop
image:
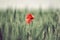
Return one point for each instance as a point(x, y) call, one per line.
point(45, 26)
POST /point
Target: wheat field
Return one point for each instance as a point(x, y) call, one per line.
point(45, 26)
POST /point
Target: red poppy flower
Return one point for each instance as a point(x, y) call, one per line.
point(29, 18)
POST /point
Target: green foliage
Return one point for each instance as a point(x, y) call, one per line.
point(44, 26)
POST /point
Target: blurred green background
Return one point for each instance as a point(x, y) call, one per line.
point(45, 26)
